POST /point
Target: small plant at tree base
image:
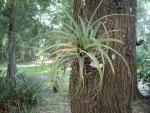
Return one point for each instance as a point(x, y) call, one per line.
point(56, 85)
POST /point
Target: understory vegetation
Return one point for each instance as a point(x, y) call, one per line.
point(20, 94)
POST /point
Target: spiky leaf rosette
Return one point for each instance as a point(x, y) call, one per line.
point(80, 41)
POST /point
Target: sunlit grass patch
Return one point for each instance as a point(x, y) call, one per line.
point(3, 67)
point(30, 69)
point(35, 70)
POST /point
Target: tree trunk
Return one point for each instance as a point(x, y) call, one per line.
point(11, 71)
point(116, 93)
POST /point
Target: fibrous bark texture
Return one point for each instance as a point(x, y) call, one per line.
point(115, 95)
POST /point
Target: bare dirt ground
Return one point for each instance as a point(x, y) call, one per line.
point(53, 106)
point(56, 104)
point(141, 106)
point(59, 103)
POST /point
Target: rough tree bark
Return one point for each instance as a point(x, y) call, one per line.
point(11, 71)
point(117, 90)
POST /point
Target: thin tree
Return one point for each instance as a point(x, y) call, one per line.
point(12, 39)
point(115, 96)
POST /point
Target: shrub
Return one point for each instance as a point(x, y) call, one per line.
point(19, 94)
point(143, 62)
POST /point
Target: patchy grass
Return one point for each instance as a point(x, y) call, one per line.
point(34, 70)
point(30, 70)
point(3, 67)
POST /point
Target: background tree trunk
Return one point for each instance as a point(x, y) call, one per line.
point(116, 93)
point(12, 40)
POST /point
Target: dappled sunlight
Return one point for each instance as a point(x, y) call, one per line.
point(27, 65)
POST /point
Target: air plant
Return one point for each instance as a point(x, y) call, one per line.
point(81, 40)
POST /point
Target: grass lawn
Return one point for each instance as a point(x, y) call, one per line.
point(30, 70)
point(33, 69)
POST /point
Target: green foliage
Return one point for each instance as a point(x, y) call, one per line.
point(30, 70)
point(143, 60)
point(19, 94)
point(28, 27)
point(35, 19)
point(35, 70)
point(143, 32)
point(79, 42)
